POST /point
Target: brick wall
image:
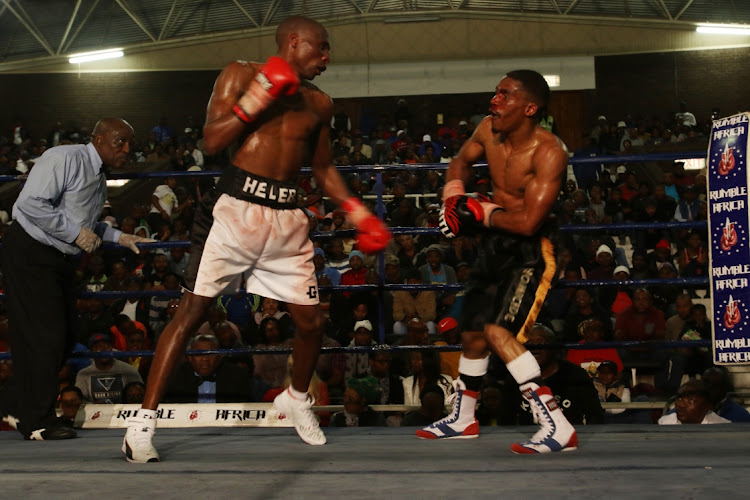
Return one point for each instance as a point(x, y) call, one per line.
point(81, 99)
point(654, 84)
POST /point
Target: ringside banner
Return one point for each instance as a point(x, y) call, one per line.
point(108, 416)
point(728, 232)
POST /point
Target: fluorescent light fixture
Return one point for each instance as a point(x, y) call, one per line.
point(726, 29)
point(97, 55)
point(552, 80)
point(116, 183)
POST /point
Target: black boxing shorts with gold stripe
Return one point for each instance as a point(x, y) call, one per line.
point(509, 282)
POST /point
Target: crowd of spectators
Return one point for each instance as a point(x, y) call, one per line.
point(582, 377)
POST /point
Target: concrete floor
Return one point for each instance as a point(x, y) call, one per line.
point(617, 461)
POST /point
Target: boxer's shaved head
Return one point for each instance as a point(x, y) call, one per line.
point(295, 24)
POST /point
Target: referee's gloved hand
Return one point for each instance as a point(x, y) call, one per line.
point(87, 240)
point(129, 240)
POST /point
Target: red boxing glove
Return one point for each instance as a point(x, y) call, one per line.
point(372, 234)
point(275, 79)
point(460, 214)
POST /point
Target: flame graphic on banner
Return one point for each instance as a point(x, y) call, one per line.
point(732, 314)
point(727, 160)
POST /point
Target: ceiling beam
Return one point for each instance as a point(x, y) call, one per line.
point(166, 21)
point(660, 5)
point(570, 7)
point(359, 9)
point(247, 14)
point(22, 16)
point(557, 7)
point(372, 5)
point(683, 9)
point(80, 26)
point(135, 19)
point(69, 27)
point(270, 12)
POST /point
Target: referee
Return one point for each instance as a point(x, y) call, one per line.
point(55, 217)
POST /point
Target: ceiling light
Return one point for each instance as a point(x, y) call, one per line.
point(552, 80)
point(97, 55)
point(726, 29)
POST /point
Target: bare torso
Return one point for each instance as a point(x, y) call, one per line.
point(284, 137)
point(513, 170)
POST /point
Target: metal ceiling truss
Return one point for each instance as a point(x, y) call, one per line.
point(178, 23)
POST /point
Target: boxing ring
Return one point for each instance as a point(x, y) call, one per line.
point(269, 461)
point(618, 461)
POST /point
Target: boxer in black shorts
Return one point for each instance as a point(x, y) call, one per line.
point(517, 263)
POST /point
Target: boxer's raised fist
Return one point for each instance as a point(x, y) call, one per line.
point(275, 79)
point(460, 214)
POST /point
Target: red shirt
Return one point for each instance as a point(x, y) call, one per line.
point(353, 278)
point(586, 357)
point(648, 325)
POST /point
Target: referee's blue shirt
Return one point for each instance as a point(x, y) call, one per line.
point(65, 191)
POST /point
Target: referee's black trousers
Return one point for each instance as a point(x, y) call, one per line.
point(40, 301)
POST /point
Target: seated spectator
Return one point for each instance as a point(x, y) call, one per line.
point(71, 399)
point(274, 309)
point(610, 388)
point(431, 409)
point(592, 330)
point(693, 406)
point(390, 390)
point(93, 318)
point(675, 325)
point(135, 308)
point(664, 296)
point(123, 327)
point(337, 258)
point(103, 380)
point(357, 364)
point(207, 378)
point(360, 392)
point(217, 315)
point(571, 385)
point(158, 273)
point(622, 298)
point(688, 206)
point(178, 260)
point(240, 307)
point(133, 393)
point(719, 383)
point(434, 271)
point(158, 308)
point(490, 410)
point(584, 308)
point(450, 334)
point(408, 304)
point(641, 321)
point(271, 368)
point(321, 268)
point(424, 367)
point(693, 260)
point(136, 340)
point(356, 273)
point(407, 252)
point(94, 277)
point(695, 360)
point(641, 269)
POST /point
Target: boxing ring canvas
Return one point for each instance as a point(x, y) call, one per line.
point(614, 461)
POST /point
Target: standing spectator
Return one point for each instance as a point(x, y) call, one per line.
point(164, 204)
point(56, 216)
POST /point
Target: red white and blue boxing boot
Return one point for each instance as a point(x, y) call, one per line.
point(555, 433)
point(461, 423)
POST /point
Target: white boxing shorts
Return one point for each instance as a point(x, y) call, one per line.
point(268, 245)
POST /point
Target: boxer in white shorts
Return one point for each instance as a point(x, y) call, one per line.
point(283, 121)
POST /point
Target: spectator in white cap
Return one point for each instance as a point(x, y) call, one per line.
point(427, 142)
point(358, 364)
point(606, 264)
point(622, 299)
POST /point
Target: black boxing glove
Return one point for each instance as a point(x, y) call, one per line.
point(460, 214)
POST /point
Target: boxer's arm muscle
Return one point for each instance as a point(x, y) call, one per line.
point(549, 163)
point(222, 127)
